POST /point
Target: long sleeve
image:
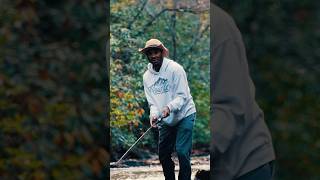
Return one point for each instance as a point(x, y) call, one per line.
point(180, 91)
point(230, 88)
point(153, 109)
point(240, 139)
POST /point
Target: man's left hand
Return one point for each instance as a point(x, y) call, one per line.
point(165, 112)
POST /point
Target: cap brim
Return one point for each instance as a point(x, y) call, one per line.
point(164, 49)
point(150, 47)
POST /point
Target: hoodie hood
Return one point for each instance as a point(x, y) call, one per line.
point(163, 68)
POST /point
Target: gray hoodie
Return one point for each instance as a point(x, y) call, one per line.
point(241, 141)
point(168, 87)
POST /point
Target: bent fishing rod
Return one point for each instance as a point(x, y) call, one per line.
point(116, 163)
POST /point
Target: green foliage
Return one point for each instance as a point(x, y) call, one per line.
point(201, 131)
point(282, 43)
point(51, 71)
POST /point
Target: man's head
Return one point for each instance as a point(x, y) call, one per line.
point(155, 51)
point(154, 56)
point(155, 43)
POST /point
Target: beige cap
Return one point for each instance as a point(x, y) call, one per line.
point(155, 43)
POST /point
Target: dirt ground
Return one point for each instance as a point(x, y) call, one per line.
point(151, 169)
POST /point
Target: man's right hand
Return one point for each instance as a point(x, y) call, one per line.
point(153, 121)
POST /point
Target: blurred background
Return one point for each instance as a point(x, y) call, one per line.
point(53, 83)
point(282, 39)
point(183, 27)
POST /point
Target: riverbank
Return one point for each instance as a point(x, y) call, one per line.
point(151, 169)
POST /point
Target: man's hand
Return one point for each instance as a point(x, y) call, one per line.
point(153, 121)
point(165, 112)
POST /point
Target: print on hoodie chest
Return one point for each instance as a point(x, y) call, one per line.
point(160, 86)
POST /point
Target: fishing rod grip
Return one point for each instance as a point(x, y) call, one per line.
point(159, 120)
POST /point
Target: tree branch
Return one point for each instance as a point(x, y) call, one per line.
point(194, 42)
point(173, 31)
point(149, 13)
point(137, 15)
point(190, 10)
point(149, 23)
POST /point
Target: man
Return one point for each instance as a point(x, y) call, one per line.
point(242, 146)
point(168, 95)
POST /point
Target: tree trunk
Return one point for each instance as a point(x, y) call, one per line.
point(173, 30)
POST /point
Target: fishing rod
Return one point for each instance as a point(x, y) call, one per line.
point(116, 163)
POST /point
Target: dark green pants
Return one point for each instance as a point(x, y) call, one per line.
point(178, 137)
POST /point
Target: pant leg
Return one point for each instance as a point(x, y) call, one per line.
point(184, 146)
point(167, 136)
point(265, 172)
